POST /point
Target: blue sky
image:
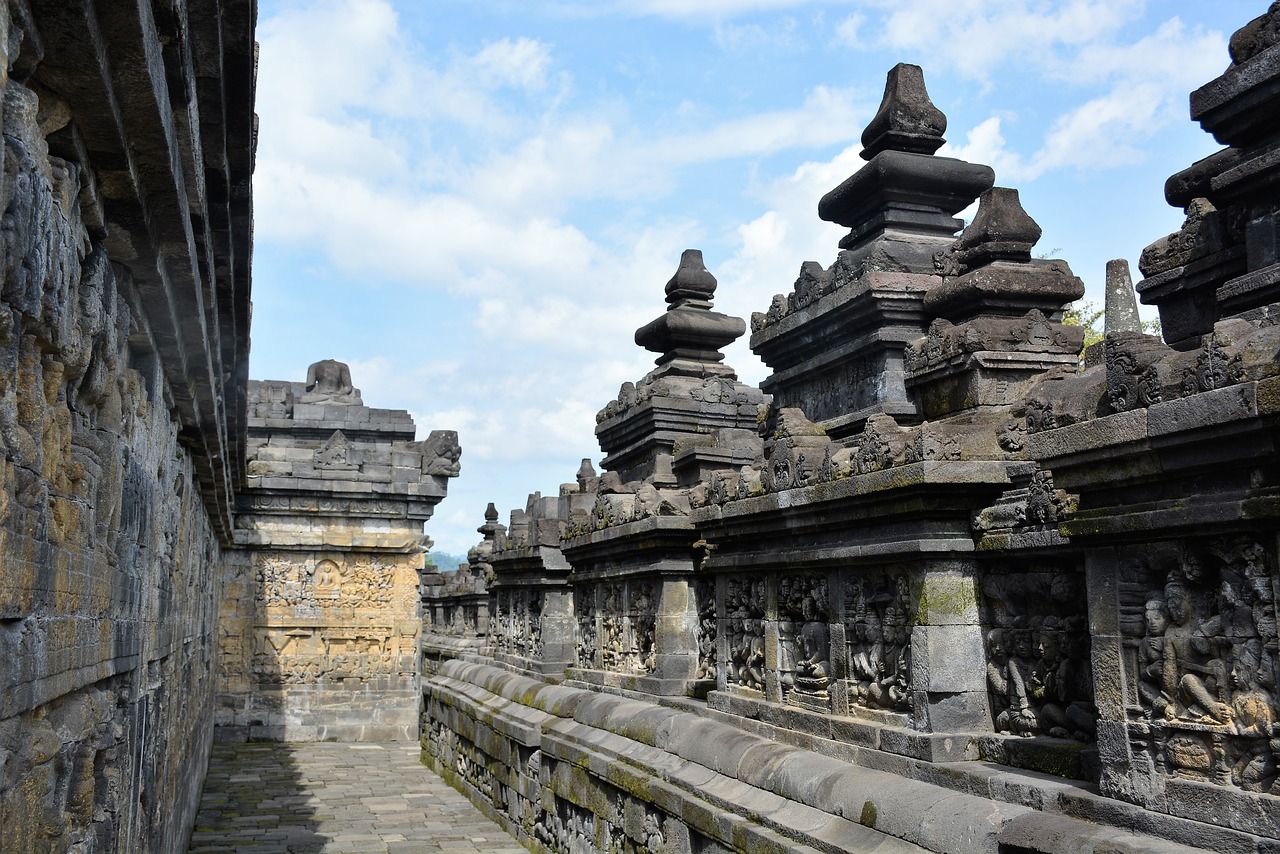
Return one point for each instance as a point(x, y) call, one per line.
point(476, 202)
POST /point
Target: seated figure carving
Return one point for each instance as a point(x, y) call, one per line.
point(329, 381)
point(814, 668)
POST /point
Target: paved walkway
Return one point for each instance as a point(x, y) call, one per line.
point(271, 798)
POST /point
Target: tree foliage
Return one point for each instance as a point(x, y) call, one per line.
point(1088, 315)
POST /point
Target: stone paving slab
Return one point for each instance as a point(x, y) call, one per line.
point(273, 798)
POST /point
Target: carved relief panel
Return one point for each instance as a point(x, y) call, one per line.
point(878, 615)
point(617, 631)
point(1200, 660)
point(642, 612)
point(1039, 673)
point(744, 607)
point(323, 618)
point(584, 606)
point(612, 639)
point(705, 591)
point(804, 639)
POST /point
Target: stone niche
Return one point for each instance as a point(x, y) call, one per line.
point(320, 621)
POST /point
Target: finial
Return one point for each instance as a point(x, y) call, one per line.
point(1256, 36)
point(692, 281)
point(688, 331)
point(491, 513)
point(907, 120)
point(1120, 310)
point(1001, 231)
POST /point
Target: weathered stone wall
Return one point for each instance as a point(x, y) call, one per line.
point(319, 629)
point(989, 594)
point(116, 428)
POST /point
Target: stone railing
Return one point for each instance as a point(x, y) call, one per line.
point(938, 547)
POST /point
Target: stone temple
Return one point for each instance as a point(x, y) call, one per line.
point(941, 583)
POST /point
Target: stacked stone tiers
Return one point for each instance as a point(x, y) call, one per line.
point(320, 624)
point(956, 549)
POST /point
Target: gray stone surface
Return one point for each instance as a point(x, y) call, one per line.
point(121, 408)
point(1120, 309)
point(319, 625)
point(331, 798)
point(951, 556)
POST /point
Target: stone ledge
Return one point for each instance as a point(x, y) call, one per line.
point(964, 810)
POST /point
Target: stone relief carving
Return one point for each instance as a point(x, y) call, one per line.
point(1201, 644)
point(1038, 664)
point(584, 606)
point(367, 581)
point(705, 591)
point(517, 624)
point(634, 394)
point(271, 400)
point(625, 640)
point(334, 454)
point(311, 654)
point(613, 646)
point(804, 668)
point(643, 613)
point(744, 604)
point(879, 613)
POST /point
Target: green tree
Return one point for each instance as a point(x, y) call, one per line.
point(1088, 315)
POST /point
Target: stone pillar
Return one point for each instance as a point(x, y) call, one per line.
point(948, 662)
point(676, 635)
point(323, 641)
point(1120, 777)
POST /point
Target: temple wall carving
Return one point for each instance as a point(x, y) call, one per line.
point(320, 627)
point(942, 552)
point(119, 428)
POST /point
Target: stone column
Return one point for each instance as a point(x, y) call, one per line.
point(948, 662)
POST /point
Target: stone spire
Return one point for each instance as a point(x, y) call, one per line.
point(689, 335)
point(1120, 310)
point(836, 344)
point(907, 120)
point(989, 270)
point(904, 194)
point(997, 314)
point(691, 397)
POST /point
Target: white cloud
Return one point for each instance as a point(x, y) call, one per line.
point(717, 9)
point(523, 62)
point(771, 248)
point(550, 217)
point(850, 29)
point(975, 37)
point(985, 143)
